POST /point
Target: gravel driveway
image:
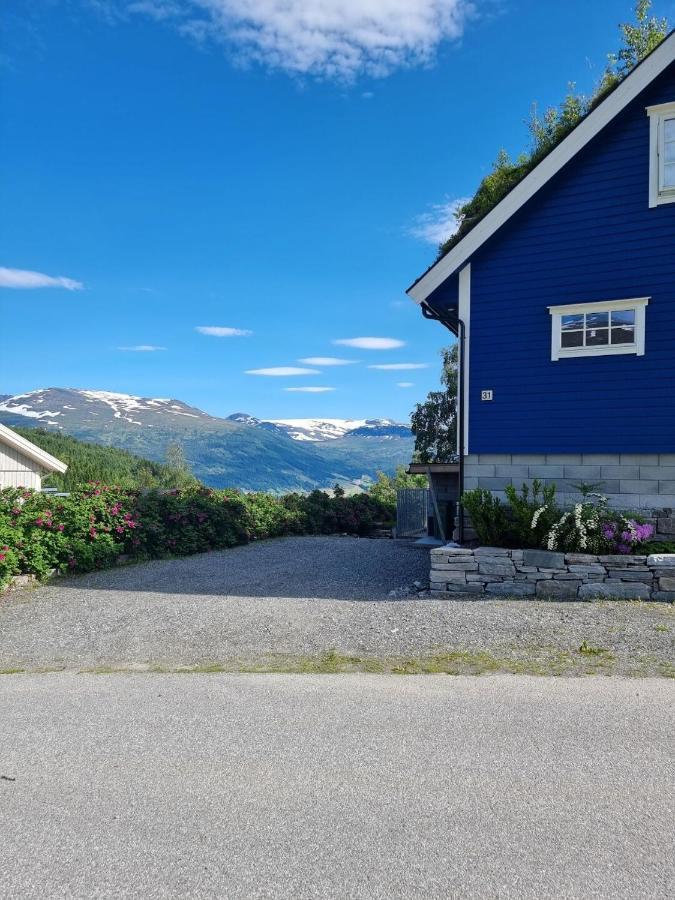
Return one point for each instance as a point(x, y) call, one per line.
point(281, 603)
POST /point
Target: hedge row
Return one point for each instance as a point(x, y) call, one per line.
point(97, 523)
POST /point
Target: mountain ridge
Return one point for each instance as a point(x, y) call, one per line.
point(238, 451)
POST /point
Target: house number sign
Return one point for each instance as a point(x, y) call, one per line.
point(486, 395)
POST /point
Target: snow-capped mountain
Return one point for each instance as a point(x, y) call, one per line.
point(63, 407)
point(332, 429)
point(240, 451)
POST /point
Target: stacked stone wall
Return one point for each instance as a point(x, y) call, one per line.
point(491, 572)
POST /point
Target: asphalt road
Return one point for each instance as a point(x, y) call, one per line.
point(236, 786)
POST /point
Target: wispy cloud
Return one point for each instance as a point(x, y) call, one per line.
point(334, 39)
point(142, 348)
point(371, 343)
point(439, 223)
point(309, 390)
point(25, 279)
point(222, 331)
point(282, 371)
point(327, 361)
point(405, 384)
point(399, 367)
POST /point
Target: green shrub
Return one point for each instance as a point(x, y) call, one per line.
point(658, 547)
point(96, 523)
point(488, 517)
point(532, 513)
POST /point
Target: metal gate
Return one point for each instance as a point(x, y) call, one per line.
point(412, 511)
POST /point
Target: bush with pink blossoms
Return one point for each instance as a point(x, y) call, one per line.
point(626, 535)
point(96, 524)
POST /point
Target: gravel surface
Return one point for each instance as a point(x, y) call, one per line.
point(168, 786)
point(302, 597)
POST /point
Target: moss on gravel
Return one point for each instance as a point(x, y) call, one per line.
point(542, 662)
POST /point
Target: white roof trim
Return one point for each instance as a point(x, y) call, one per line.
point(32, 451)
point(640, 78)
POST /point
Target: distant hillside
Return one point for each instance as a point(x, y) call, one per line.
point(92, 462)
point(241, 451)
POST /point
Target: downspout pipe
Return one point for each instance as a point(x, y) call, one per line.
point(455, 325)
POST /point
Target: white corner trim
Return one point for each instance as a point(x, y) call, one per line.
point(32, 451)
point(464, 311)
point(657, 116)
point(640, 78)
point(637, 348)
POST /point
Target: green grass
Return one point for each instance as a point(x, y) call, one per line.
point(332, 662)
point(536, 661)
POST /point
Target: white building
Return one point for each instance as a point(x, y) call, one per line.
point(22, 463)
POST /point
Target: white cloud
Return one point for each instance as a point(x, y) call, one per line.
point(327, 361)
point(440, 223)
point(309, 390)
point(399, 367)
point(405, 384)
point(24, 279)
point(142, 348)
point(337, 39)
point(222, 331)
point(371, 343)
point(281, 371)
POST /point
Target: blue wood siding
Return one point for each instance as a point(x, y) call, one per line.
point(589, 235)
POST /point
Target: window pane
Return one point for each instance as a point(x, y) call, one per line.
point(572, 339)
point(623, 335)
point(669, 130)
point(669, 175)
point(669, 152)
point(596, 337)
point(597, 320)
point(573, 323)
point(623, 317)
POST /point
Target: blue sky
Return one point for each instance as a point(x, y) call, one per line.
point(221, 164)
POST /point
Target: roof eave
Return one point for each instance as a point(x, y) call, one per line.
point(45, 460)
point(631, 86)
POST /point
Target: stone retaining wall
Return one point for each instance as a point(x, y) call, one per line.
point(491, 572)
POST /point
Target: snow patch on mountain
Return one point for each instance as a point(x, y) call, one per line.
point(77, 407)
point(328, 429)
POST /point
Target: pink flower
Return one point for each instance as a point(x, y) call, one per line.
point(119, 529)
point(39, 520)
point(2, 557)
point(60, 527)
point(92, 532)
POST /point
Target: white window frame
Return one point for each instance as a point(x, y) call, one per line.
point(658, 194)
point(637, 348)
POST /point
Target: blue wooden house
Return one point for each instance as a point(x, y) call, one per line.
point(563, 300)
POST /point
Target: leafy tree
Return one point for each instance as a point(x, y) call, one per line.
point(174, 459)
point(434, 422)
point(639, 38)
point(385, 487)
